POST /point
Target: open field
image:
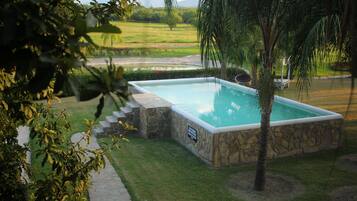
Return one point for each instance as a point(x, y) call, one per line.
point(148, 39)
point(161, 169)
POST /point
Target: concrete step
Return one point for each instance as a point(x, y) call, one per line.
point(104, 124)
point(111, 119)
point(126, 110)
point(98, 131)
point(119, 115)
point(106, 127)
point(134, 117)
point(132, 104)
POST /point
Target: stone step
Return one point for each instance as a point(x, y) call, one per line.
point(126, 110)
point(98, 131)
point(119, 115)
point(104, 124)
point(132, 104)
point(106, 127)
point(111, 119)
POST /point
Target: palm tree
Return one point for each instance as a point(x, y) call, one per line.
point(324, 30)
point(272, 17)
point(215, 24)
point(322, 22)
point(104, 83)
point(252, 49)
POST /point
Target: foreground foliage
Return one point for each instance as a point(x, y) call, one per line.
point(40, 43)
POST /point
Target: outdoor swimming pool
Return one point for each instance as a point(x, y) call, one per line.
point(206, 106)
point(222, 104)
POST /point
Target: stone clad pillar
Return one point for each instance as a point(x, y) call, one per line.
point(155, 115)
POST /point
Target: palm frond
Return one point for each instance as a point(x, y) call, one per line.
point(315, 41)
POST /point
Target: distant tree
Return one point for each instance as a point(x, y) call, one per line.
point(172, 19)
point(189, 16)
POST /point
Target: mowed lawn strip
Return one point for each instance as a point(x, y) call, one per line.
point(161, 169)
point(156, 38)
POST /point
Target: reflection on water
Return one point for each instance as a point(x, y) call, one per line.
point(221, 105)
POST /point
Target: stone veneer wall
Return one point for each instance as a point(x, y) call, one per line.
point(155, 122)
point(154, 115)
point(235, 147)
point(203, 148)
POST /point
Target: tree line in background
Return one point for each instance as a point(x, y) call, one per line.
point(160, 15)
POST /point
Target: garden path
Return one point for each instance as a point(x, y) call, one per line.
point(106, 184)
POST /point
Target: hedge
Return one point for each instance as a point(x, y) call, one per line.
point(139, 75)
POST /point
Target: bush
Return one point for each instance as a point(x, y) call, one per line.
point(172, 20)
point(189, 16)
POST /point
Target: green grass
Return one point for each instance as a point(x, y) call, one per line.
point(162, 169)
point(77, 113)
point(148, 39)
point(320, 71)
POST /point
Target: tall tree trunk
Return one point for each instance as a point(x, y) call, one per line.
point(266, 98)
point(254, 75)
point(353, 27)
point(259, 182)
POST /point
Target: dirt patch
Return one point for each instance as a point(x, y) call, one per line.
point(348, 162)
point(277, 188)
point(346, 193)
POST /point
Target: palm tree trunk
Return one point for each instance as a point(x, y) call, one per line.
point(259, 183)
point(353, 27)
point(266, 97)
point(254, 75)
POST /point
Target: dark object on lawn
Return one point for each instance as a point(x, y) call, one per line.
point(243, 78)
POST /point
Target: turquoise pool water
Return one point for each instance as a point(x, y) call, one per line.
point(222, 105)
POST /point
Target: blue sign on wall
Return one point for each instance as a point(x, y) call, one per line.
point(192, 133)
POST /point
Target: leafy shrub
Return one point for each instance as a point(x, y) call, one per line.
point(40, 44)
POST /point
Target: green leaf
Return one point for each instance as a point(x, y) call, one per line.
point(100, 107)
point(80, 27)
point(89, 40)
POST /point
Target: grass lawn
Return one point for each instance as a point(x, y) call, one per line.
point(161, 169)
point(149, 39)
point(77, 113)
point(320, 71)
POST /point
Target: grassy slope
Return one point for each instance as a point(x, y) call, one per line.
point(164, 170)
point(156, 38)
